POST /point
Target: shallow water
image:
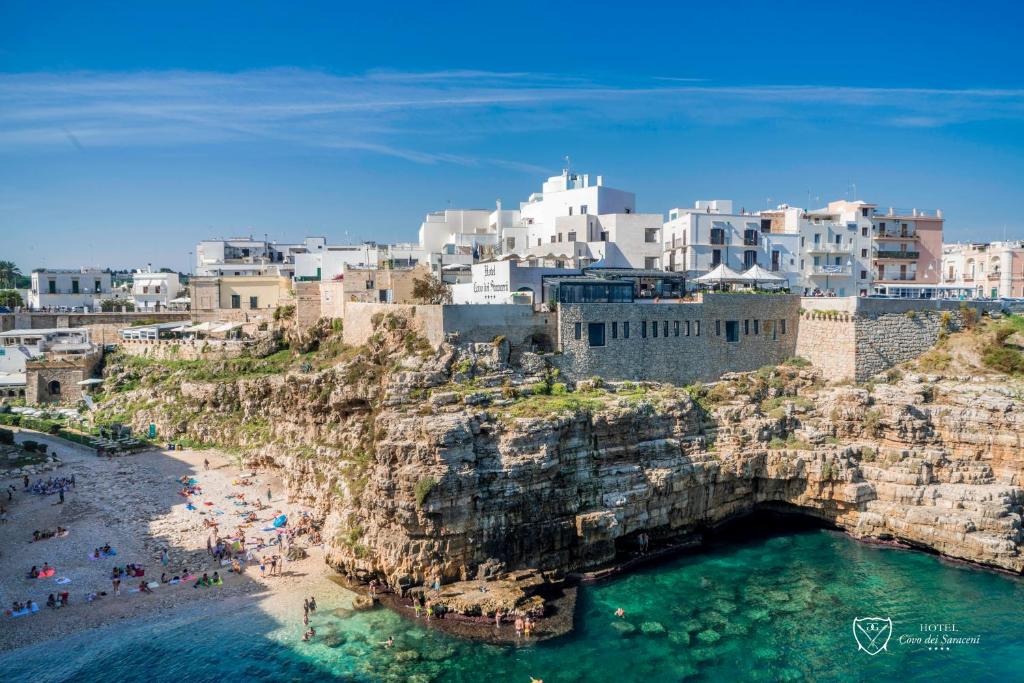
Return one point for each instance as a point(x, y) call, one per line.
point(772, 608)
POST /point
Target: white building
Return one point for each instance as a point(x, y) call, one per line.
point(582, 222)
point(990, 270)
point(321, 261)
point(69, 289)
point(505, 282)
point(698, 239)
point(154, 291)
point(239, 256)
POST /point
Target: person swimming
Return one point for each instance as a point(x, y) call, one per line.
point(620, 612)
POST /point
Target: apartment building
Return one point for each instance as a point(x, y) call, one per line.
point(154, 291)
point(699, 239)
point(907, 249)
point(579, 222)
point(69, 289)
point(993, 270)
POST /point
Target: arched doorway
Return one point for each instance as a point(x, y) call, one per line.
point(54, 388)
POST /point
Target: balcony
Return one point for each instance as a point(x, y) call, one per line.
point(896, 234)
point(908, 277)
point(830, 271)
point(913, 213)
point(837, 249)
point(898, 255)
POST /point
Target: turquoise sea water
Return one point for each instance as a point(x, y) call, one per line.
point(774, 608)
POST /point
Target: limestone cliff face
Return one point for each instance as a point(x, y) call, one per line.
point(442, 463)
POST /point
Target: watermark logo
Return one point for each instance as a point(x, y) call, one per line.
point(872, 634)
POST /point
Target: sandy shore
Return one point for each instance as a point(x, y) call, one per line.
point(133, 504)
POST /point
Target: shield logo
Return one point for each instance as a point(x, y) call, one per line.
point(872, 634)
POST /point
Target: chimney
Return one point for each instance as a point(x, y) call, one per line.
point(600, 181)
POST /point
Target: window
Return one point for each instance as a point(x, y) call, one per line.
point(817, 260)
point(577, 330)
point(769, 328)
point(651, 262)
point(74, 286)
point(651, 235)
point(863, 253)
point(654, 329)
point(145, 289)
point(675, 328)
point(664, 329)
point(750, 238)
point(98, 286)
point(839, 239)
point(570, 210)
point(583, 210)
point(782, 326)
point(625, 330)
point(52, 286)
point(732, 330)
point(236, 301)
point(716, 258)
point(552, 239)
point(749, 258)
point(757, 327)
point(746, 327)
point(766, 225)
point(254, 302)
point(615, 330)
point(571, 237)
point(864, 212)
point(595, 334)
point(776, 257)
point(603, 236)
point(863, 232)
point(817, 238)
point(717, 236)
point(863, 275)
point(158, 289)
point(696, 328)
point(718, 328)
point(687, 332)
point(559, 237)
point(643, 329)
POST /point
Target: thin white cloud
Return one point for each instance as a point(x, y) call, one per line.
point(430, 117)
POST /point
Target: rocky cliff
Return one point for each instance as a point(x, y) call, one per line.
point(466, 462)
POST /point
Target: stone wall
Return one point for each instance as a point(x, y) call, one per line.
point(307, 303)
point(678, 343)
point(520, 324)
point(830, 343)
point(66, 371)
point(889, 339)
point(184, 349)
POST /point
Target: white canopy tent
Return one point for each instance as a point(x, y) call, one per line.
point(721, 274)
point(758, 275)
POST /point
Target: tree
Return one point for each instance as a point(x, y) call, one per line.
point(10, 298)
point(430, 290)
point(9, 274)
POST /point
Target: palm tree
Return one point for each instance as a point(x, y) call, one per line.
point(9, 274)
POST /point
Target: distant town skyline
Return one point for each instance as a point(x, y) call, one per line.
point(127, 135)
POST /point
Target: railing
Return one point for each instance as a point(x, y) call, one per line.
point(896, 234)
point(910, 277)
point(834, 271)
point(907, 255)
point(829, 249)
point(914, 213)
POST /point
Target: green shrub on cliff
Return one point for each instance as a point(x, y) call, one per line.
point(423, 489)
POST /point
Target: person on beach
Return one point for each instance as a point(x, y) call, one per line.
point(305, 606)
point(116, 582)
point(206, 464)
point(61, 496)
point(268, 494)
point(312, 604)
point(497, 618)
point(263, 566)
point(389, 643)
point(308, 635)
point(25, 482)
point(165, 558)
point(519, 625)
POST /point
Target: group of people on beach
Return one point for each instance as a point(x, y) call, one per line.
point(58, 600)
point(50, 486)
point(38, 535)
point(43, 572)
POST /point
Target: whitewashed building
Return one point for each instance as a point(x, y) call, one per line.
point(154, 291)
point(507, 281)
point(581, 222)
point(69, 289)
point(699, 239)
point(993, 270)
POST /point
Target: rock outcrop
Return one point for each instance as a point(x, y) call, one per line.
point(459, 464)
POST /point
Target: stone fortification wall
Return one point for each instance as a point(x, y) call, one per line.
point(855, 338)
point(185, 349)
point(678, 343)
point(829, 341)
point(55, 379)
point(889, 339)
point(520, 324)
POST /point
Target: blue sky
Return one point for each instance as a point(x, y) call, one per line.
point(127, 134)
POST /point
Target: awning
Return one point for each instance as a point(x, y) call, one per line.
point(722, 273)
point(226, 327)
point(758, 274)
